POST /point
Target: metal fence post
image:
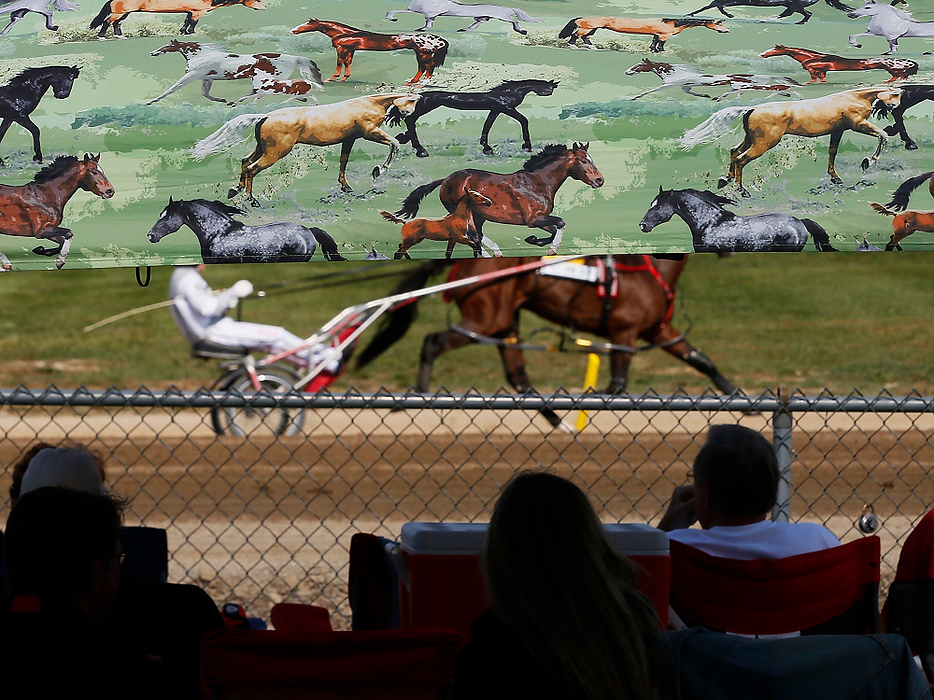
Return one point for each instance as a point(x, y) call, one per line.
point(781, 442)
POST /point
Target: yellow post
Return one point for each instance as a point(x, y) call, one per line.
point(590, 382)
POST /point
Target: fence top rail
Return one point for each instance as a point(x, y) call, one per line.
point(767, 402)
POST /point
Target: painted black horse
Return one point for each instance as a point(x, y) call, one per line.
point(791, 6)
point(911, 96)
point(502, 99)
point(21, 96)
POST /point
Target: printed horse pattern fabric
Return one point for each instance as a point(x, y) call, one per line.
point(237, 119)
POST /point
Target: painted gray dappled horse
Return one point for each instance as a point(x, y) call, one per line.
point(432, 9)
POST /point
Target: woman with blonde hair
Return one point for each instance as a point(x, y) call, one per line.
point(566, 619)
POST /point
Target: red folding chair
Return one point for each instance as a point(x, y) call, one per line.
point(300, 619)
point(384, 664)
point(833, 591)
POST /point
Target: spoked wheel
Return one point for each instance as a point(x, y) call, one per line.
point(256, 420)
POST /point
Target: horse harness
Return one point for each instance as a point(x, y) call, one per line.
point(605, 275)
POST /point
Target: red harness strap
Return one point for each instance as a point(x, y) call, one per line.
point(647, 266)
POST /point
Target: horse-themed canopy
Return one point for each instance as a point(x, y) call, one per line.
point(157, 132)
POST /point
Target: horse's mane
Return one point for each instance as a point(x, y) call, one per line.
point(507, 84)
point(55, 168)
point(545, 156)
point(707, 196)
point(216, 206)
point(31, 73)
point(900, 13)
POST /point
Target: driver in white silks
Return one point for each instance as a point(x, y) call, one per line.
point(201, 314)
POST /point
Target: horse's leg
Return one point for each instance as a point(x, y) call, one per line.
point(835, 136)
point(346, 145)
point(4, 126)
point(550, 224)
point(118, 25)
point(477, 22)
point(484, 240)
point(524, 125)
point(657, 45)
point(871, 130)
point(586, 38)
point(16, 16)
point(344, 59)
point(411, 135)
point(853, 36)
point(206, 86)
point(25, 122)
point(59, 235)
point(485, 133)
point(181, 82)
point(686, 352)
point(514, 365)
point(762, 142)
point(801, 10)
point(435, 344)
point(380, 136)
point(257, 162)
point(48, 21)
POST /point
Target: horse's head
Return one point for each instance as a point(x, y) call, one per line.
point(312, 25)
point(93, 179)
point(62, 80)
point(870, 8)
point(582, 166)
point(405, 104)
point(717, 25)
point(174, 45)
point(890, 97)
point(475, 199)
point(777, 50)
point(545, 87)
point(169, 221)
point(660, 211)
point(647, 66)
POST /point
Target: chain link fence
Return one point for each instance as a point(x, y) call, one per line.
point(263, 518)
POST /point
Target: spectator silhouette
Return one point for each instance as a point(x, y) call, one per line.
point(566, 619)
point(735, 486)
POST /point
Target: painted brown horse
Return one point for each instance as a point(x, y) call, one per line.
point(430, 50)
point(641, 309)
point(818, 64)
point(661, 30)
point(35, 209)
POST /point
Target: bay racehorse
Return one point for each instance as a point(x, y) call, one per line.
point(911, 96)
point(36, 208)
point(660, 29)
point(764, 126)
point(641, 308)
point(818, 64)
point(210, 62)
point(456, 227)
point(223, 239)
point(905, 223)
point(717, 230)
point(430, 50)
point(790, 7)
point(688, 77)
point(502, 99)
point(20, 97)
point(20, 8)
point(277, 132)
point(432, 9)
point(525, 197)
point(889, 22)
point(114, 12)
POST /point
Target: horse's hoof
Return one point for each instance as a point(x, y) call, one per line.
point(489, 151)
point(422, 154)
point(233, 192)
point(53, 28)
point(377, 171)
point(722, 182)
point(836, 181)
point(346, 188)
point(59, 263)
point(865, 164)
point(522, 32)
point(911, 146)
point(744, 192)
point(37, 159)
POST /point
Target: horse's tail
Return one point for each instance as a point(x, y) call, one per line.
point(396, 322)
point(880, 110)
point(715, 125)
point(309, 70)
point(900, 196)
point(410, 204)
point(819, 235)
point(225, 137)
point(389, 216)
point(105, 12)
point(328, 246)
point(569, 29)
point(882, 209)
point(523, 16)
point(837, 5)
point(394, 116)
point(441, 54)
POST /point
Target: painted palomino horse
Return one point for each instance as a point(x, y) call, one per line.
point(688, 77)
point(20, 8)
point(430, 50)
point(791, 7)
point(660, 29)
point(210, 62)
point(20, 97)
point(36, 208)
point(456, 227)
point(717, 230)
point(114, 12)
point(277, 133)
point(818, 64)
point(432, 9)
point(764, 126)
point(223, 239)
point(890, 23)
point(524, 198)
point(502, 99)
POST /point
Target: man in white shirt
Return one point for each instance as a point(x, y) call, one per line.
point(735, 487)
point(201, 314)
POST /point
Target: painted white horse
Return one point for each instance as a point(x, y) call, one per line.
point(18, 10)
point(889, 22)
point(433, 9)
point(687, 77)
point(210, 62)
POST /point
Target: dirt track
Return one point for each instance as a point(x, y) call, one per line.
point(260, 520)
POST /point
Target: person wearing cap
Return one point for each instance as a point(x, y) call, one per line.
point(201, 315)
